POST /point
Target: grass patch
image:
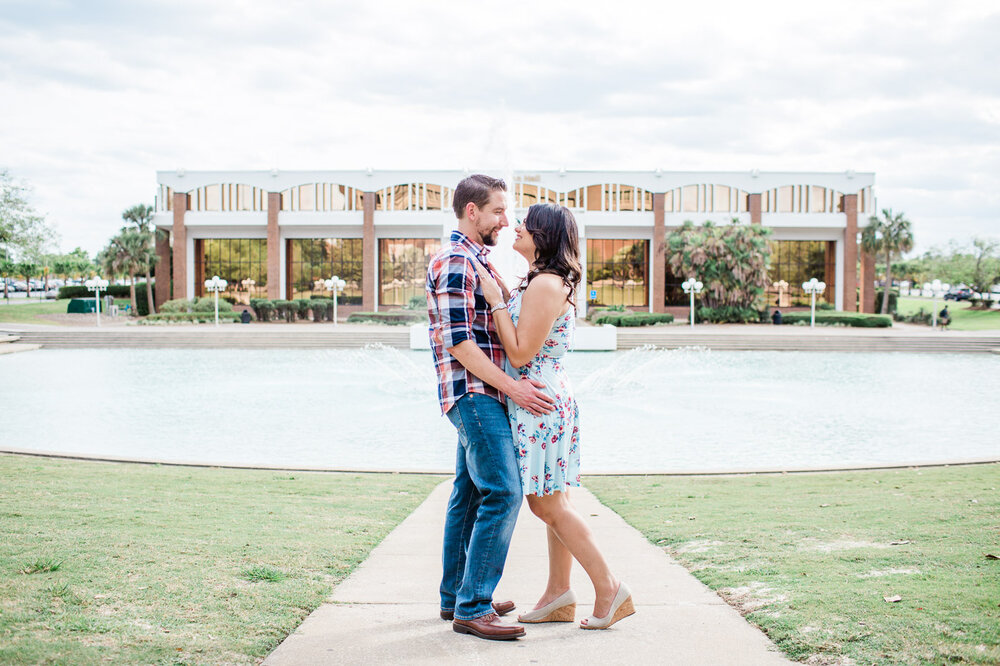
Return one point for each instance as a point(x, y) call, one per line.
point(156, 560)
point(19, 312)
point(260, 574)
point(810, 558)
point(963, 318)
point(41, 565)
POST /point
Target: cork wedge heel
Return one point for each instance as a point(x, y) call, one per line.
point(562, 609)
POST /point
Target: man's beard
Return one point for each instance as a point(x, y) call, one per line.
point(491, 238)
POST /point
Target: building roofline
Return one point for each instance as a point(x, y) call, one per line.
point(274, 180)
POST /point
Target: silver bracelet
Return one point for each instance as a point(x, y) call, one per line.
point(498, 306)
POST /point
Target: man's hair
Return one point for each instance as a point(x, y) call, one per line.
point(477, 189)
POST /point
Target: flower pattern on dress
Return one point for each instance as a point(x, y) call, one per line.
point(547, 447)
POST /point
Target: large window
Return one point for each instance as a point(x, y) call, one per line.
point(617, 270)
point(796, 262)
point(242, 262)
point(403, 268)
point(310, 261)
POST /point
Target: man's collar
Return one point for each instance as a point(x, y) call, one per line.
point(477, 249)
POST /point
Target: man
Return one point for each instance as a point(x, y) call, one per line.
point(469, 361)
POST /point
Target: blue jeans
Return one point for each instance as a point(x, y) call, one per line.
point(483, 507)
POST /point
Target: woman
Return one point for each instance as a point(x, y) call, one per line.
point(536, 327)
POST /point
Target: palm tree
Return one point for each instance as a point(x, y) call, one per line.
point(132, 251)
point(889, 235)
point(141, 216)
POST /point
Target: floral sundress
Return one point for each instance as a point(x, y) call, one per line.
point(547, 446)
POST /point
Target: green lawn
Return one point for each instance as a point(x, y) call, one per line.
point(21, 312)
point(810, 558)
point(962, 318)
point(130, 564)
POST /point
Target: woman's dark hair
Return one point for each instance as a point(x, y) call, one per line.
point(557, 244)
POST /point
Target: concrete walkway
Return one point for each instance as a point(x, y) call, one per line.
point(387, 611)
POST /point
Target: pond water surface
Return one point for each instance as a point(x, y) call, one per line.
point(643, 410)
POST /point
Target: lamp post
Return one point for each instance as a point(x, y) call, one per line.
point(336, 285)
point(813, 287)
point(95, 285)
point(692, 286)
point(935, 288)
point(215, 285)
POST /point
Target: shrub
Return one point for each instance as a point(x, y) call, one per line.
point(285, 309)
point(263, 308)
point(728, 314)
point(595, 312)
point(417, 303)
point(918, 317)
point(393, 318)
point(893, 296)
point(207, 304)
point(838, 317)
point(302, 307)
point(176, 305)
point(634, 318)
point(322, 309)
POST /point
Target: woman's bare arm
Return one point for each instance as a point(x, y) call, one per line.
point(543, 301)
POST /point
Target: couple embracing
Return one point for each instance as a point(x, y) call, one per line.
point(502, 384)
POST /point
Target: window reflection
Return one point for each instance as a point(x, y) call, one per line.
point(617, 270)
point(313, 260)
point(236, 260)
point(796, 262)
point(403, 268)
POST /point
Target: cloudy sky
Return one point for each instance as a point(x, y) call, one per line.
point(97, 95)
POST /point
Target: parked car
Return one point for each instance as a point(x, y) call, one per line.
point(958, 294)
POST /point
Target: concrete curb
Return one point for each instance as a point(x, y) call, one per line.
point(448, 472)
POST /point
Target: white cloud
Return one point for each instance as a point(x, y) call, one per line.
point(100, 95)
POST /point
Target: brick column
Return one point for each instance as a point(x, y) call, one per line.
point(161, 290)
point(368, 253)
point(273, 246)
point(867, 281)
point(851, 253)
point(180, 205)
point(754, 206)
point(659, 257)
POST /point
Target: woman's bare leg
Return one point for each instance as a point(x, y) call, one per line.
point(576, 537)
point(560, 565)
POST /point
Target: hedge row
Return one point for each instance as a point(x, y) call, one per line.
point(321, 309)
point(191, 317)
point(114, 290)
point(341, 299)
point(633, 318)
point(855, 319)
point(393, 318)
point(729, 314)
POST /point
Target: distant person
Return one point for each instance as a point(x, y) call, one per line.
point(486, 494)
point(944, 318)
point(536, 323)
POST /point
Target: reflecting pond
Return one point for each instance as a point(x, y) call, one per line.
point(376, 408)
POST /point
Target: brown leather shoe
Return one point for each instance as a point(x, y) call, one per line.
point(501, 608)
point(489, 627)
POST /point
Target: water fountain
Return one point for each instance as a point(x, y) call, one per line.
point(644, 410)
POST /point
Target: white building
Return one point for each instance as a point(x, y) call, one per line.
point(274, 234)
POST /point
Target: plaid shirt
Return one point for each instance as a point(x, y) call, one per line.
point(458, 312)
